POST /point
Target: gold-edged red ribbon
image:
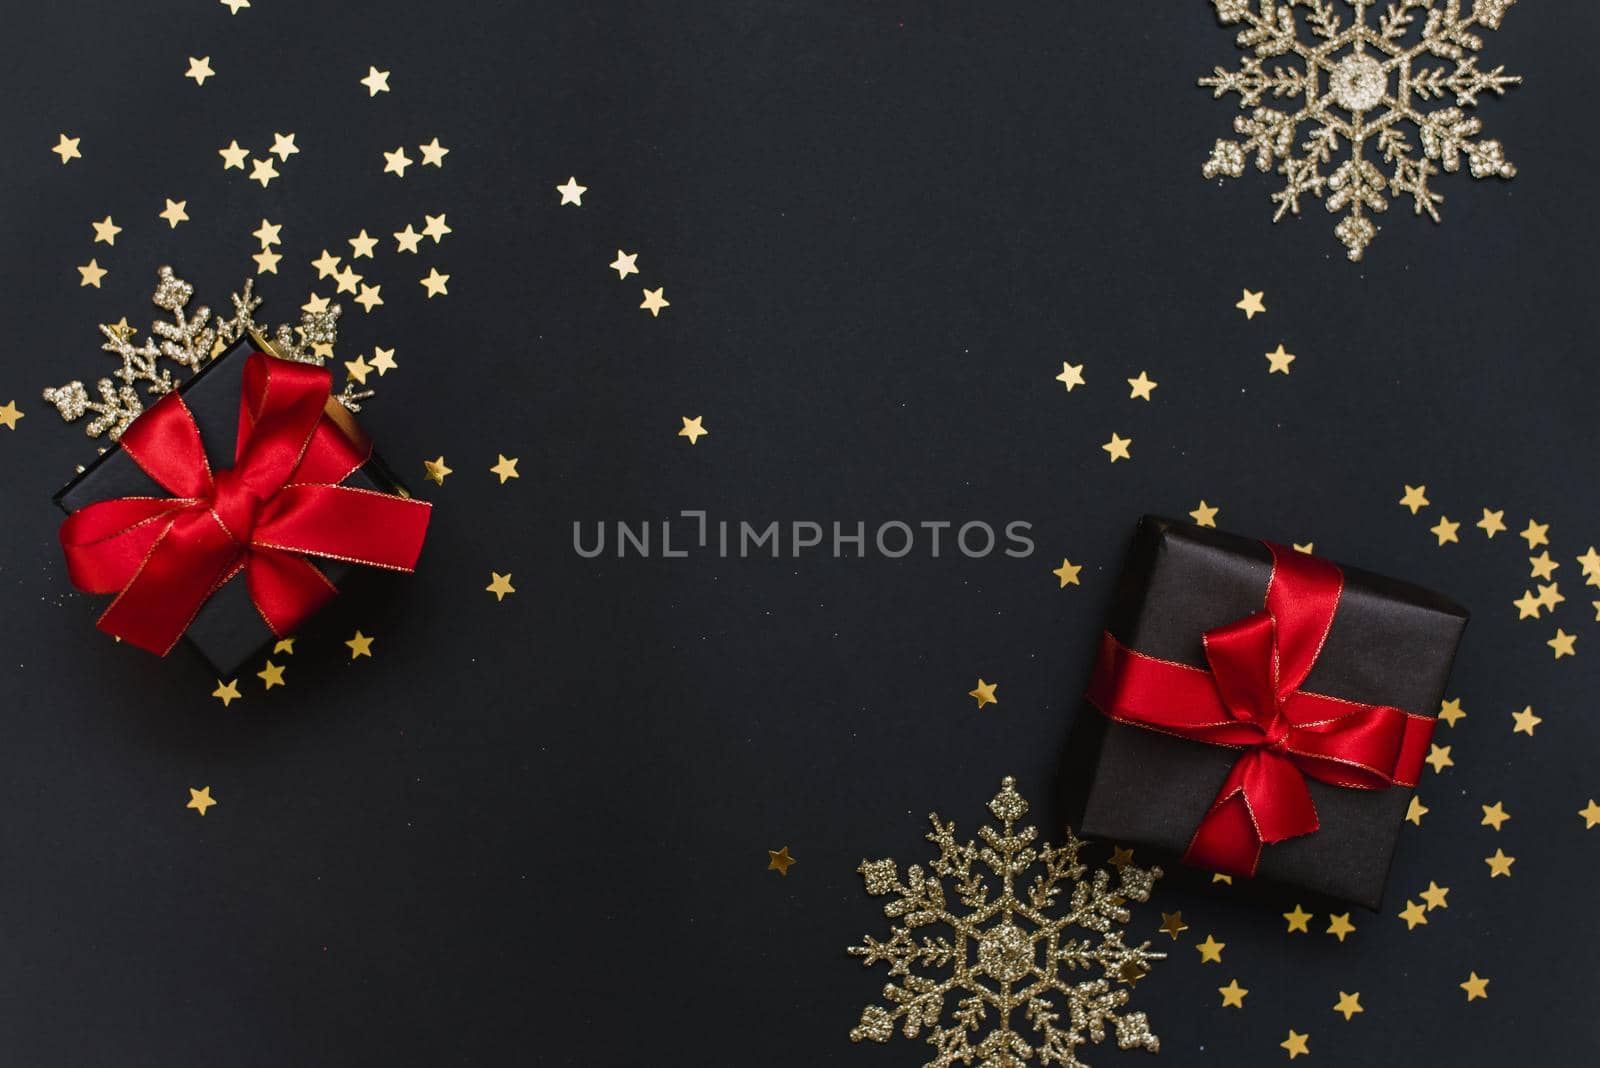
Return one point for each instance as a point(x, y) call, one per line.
point(279, 503)
point(1251, 700)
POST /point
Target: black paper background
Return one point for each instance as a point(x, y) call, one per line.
point(535, 832)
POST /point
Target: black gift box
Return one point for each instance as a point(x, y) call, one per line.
point(1390, 643)
point(227, 631)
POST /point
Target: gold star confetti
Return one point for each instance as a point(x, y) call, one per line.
point(984, 693)
point(1492, 523)
point(407, 240)
point(1435, 896)
point(1562, 644)
point(362, 245)
point(9, 415)
point(67, 149)
point(436, 471)
point(233, 6)
point(106, 231)
point(396, 162)
point(1550, 595)
point(1543, 566)
point(326, 264)
point(625, 263)
point(200, 70)
point(1278, 361)
point(433, 154)
point(1205, 515)
point(572, 192)
point(227, 692)
point(500, 585)
point(1340, 925)
point(1210, 950)
point(1591, 815)
point(316, 305)
point(1499, 864)
point(1528, 605)
point(1296, 1044)
point(262, 170)
point(1416, 810)
point(1298, 920)
point(1121, 857)
point(1172, 924)
point(1445, 530)
point(654, 301)
point(1068, 573)
point(1117, 447)
point(1251, 305)
point(1525, 721)
point(268, 233)
point(435, 283)
point(1439, 758)
point(174, 213)
point(283, 146)
point(358, 369)
point(1308, 548)
point(376, 81)
point(505, 467)
point(346, 280)
point(1475, 987)
point(90, 274)
point(1415, 915)
point(1450, 711)
point(360, 645)
point(1494, 815)
point(271, 675)
point(1536, 534)
point(200, 799)
point(435, 227)
point(1232, 995)
point(233, 156)
point(1218, 877)
point(1590, 563)
point(1415, 498)
point(284, 645)
point(383, 360)
point(266, 261)
point(780, 861)
point(692, 429)
point(1348, 1004)
point(369, 298)
point(1140, 388)
point(1071, 375)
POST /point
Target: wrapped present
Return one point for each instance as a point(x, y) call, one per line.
point(229, 510)
point(1262, 712)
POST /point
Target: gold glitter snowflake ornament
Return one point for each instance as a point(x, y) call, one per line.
point(1360, 88)
point(1034, 993)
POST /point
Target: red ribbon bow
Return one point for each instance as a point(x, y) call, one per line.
point(1251, 700)
point(280, 502)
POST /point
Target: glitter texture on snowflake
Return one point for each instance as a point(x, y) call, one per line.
point(1360, 87)
point(1010, 954)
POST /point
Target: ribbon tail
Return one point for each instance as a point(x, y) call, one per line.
point(286, 589)
point(183, 568)
point(1263, 800)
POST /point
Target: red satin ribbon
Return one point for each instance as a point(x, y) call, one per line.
point(1251, 700)
point(278, 503)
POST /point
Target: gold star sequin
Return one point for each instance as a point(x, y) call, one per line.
point(1550, 595)
point(233, 156)
point(376, 81)
point(1218, 877)
point(1140, 388)
point(1525, 721)
point(358, 369)
point(262, 170)
point(227, 692)
point(1536, 534)
point(1435, 896)
point(435, 471)
point(1494, 815)
point(316, 305)
point(1071, 375)
point(1450, 711)
point(1415, 915)
point(1416, 810)
point(346, 280)
point(1232, 995)
point(90, 274)
point(1542, 566)
point(505, 466)
point(362, 245)
point(266, 261)
point(1562, 644)
point(654, 301)
point(1591, 815)
point(1278, 361)
point(174, 213)
point(692, 428)
point(1298, 920)
point(572, 192)
point(1296, 1044)
point(199, 70)
point(434, 227)
point(284, 645)
point(233, 6)
point(67, 148)
point(1205, 515)
point(435, 283)
point(383, 360)
point(1590, 563)
point(268, 233)
point(500, 585)
point(1445, 530)
point(780, 861)
point(1499, 864)
point(200, 799)
point(106, 231)
point(1117, 447)
point(1308, 547)
point(984, 693)
point(1252, 305)
point(624, 264)
point(1340, 925)
point(326, 264)
point(1172, 924)
point(407, 240)
point(283, 146)
point(1475, 987)
point(271, 675)
point(1210, 950)
point(1415, 498)
point(1068, 573)
point(396, 162)
point(10, 414)
point(1348, 1004)
point(1121, 857)
point(1528, 605)
point(1492, 523)
point(1439, 758)
point(360, 645)
point(370, 297)
point(433, 154)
